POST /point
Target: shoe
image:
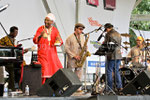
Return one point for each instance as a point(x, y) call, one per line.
point(94, 93)
point(120, 89)
point(120, 93)
point(79, 91)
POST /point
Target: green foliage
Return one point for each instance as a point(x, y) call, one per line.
point(132, 38)
point(142, 8)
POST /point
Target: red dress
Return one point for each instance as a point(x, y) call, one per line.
point(47, 53)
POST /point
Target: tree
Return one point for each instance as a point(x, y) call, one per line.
point(142, 8)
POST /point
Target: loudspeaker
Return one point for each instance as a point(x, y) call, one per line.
point(63, 83)
point(1, 89)
point(32, 78)
point(139, 85)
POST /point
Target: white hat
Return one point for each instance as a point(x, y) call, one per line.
point(51, 17)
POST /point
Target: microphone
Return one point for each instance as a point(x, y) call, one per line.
point(98, 29)
point(100, 36)
point(3, 7)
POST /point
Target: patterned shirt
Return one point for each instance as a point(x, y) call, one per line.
point(5, 41)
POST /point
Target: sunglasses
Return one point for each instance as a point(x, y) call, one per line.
point(80, 28)
point(138, 40)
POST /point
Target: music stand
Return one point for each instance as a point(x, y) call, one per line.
point(104, 50)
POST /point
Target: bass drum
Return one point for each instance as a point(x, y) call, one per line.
point(126, 75)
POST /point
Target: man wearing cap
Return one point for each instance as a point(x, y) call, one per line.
point(137, 53)
point(114, 58)
point(73, 47)
point(46, 37)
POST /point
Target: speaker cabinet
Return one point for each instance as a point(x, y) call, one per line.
point(1, 89)
point(139, 85)
point(32, 78)
point(63, 83)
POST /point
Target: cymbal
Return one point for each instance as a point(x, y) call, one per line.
point(125, 35)
point(126, 47)
point(148, 44)
point(147, 40)
point(126, 58)
point(126, 43)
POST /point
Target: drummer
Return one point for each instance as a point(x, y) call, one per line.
point(137, 53)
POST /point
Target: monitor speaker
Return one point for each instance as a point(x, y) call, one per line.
point(32, 78)
point(1, 89)
point(139, 85)
point(63, 83)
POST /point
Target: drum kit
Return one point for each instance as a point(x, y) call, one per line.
point(130, 71)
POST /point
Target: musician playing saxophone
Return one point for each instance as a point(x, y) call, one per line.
point(73, 46)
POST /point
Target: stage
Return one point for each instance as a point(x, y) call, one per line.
point(96, 97)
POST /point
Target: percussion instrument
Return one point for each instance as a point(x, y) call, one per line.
point(126, 43)
point(147, 40)
point(125, 35)
point(127, 75)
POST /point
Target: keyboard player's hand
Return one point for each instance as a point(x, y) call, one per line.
point(19, 45)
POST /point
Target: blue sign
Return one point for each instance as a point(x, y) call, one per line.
point(96, 63)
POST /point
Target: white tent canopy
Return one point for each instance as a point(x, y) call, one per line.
point(28, 15)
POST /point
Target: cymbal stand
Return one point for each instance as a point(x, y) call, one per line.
point(85, 83)
point(147, 50)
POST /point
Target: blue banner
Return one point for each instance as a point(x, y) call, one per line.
point(96, 63)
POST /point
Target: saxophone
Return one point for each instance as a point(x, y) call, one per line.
point(83, 54)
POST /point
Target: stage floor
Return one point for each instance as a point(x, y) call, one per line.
point(86, 97)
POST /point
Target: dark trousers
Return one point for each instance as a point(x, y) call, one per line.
point(11, 81)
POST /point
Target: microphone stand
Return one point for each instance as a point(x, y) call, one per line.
point(146, 49)
point(2, 8)
point(95, 30)
point(24, 39)
point(6, 33)
point(99, 38)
